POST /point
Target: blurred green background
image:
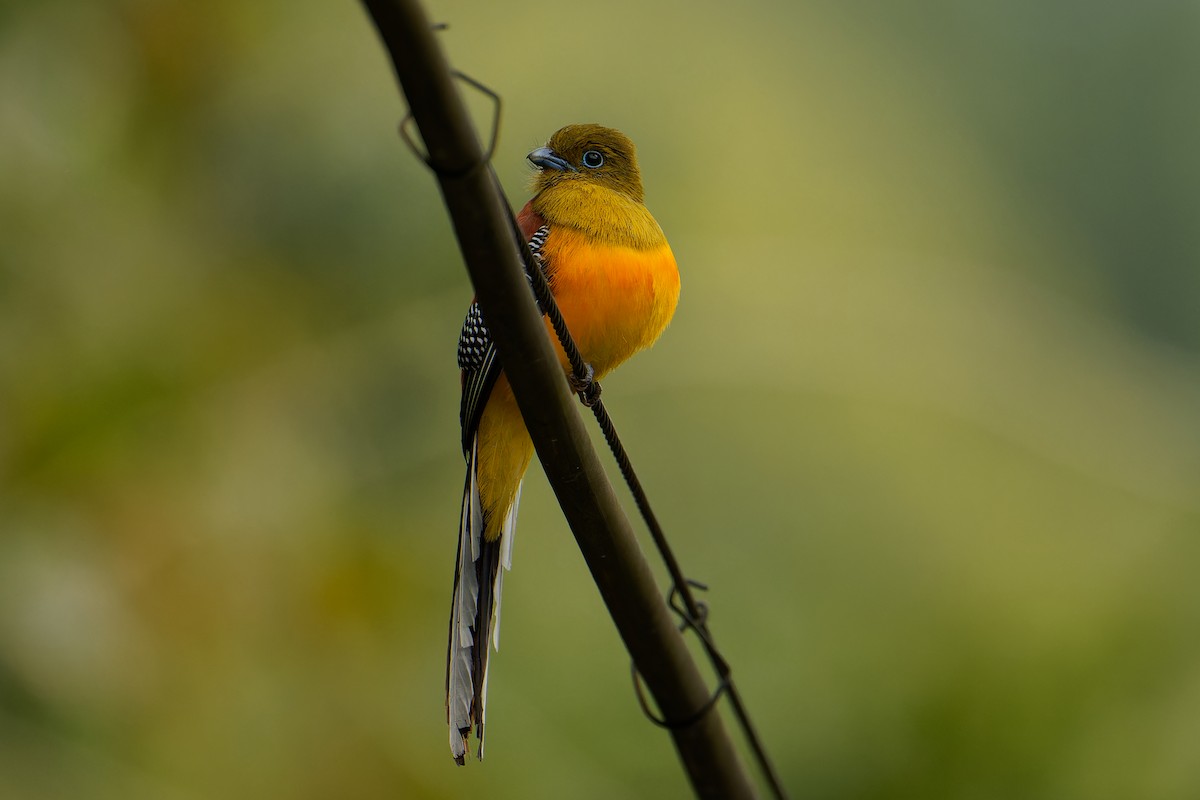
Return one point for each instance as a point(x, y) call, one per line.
point(928, 418)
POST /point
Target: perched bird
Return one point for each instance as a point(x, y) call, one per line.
point(614, 278)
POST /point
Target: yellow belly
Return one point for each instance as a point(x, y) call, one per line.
point(616, 301)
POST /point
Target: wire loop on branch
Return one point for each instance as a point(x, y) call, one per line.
point(674, 725)
point(491, 148)
point(696, 624)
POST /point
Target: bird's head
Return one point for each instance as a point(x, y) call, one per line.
point(589, 153)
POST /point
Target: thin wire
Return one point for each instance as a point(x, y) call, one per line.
point(693, 613)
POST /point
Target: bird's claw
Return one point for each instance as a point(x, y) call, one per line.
point(586, 387)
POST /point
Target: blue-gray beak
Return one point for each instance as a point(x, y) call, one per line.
point(545, 158)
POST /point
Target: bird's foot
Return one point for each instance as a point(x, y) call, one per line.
point(586, 387)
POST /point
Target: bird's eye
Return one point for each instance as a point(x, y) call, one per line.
point(593, 159)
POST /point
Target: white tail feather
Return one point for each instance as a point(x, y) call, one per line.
point(510, 528)
point(507, 534)
point(459, 687)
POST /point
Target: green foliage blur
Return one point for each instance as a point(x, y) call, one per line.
point(927, 421)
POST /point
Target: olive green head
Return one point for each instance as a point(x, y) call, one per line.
point(592, 154)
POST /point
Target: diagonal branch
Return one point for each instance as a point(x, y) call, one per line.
point(482, 223)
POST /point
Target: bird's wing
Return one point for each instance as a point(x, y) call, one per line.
point(477, 356)
point(480, 365)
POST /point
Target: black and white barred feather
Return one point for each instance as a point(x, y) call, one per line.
point(477, 357)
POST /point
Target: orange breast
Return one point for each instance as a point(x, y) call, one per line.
point(616, 300)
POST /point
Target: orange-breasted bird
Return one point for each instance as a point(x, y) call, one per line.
point(614, 278)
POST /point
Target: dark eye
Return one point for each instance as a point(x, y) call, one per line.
point(593, 159)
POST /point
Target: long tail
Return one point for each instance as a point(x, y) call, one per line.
point(474, 614)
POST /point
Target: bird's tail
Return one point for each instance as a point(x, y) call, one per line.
point(475, 612)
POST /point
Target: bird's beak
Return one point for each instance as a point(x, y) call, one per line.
point(545, 158)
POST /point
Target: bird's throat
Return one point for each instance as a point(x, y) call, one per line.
point(606, 216)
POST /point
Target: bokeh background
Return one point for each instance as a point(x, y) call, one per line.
point(927, 421)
